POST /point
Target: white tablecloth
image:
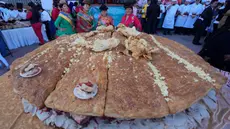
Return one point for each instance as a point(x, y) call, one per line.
point(21, 37)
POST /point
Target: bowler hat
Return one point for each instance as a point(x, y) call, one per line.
point(103, 7)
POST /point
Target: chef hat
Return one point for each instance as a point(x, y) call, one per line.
point(188, 1)
point(174, 0)
point(103, 7)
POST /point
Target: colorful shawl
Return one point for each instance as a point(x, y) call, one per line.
point(105, 21)
point(131, 21)
point(67, 17)
point(84, 21)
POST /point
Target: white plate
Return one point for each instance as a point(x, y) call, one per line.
point(83, 95)
point(33, 75)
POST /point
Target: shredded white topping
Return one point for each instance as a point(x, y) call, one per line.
point(35, 57)
point(187, 65)
point(66, 70)
point(109, 57)
point(159, 80)
point(79, 41)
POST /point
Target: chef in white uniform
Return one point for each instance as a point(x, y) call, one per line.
point(169, 20)
point(195, 11)
point(182, 17)
point(162, 9)
point(22, 15)
point(21, 12)
point(4, 13)
point(161, 16)
point(13, 13)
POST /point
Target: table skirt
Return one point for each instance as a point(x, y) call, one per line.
point(21, 37)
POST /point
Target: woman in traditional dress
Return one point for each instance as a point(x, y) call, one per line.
point(34, 16)
point(129, 19)
point(85, 18)
point(64, 22)
point(78, 8)
point(104, 19)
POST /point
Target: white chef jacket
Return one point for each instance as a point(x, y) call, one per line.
point(45, 16)
point(21, 15)
point(195, 9)
point(181, 19)
point(4, 14)
point(13, 14)
point(170, 17)
point(162, 9)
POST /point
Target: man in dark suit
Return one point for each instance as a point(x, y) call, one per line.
point(204, 21)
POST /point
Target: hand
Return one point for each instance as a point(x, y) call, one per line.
point(131, 25)
point(73, 27)
point(226, 57)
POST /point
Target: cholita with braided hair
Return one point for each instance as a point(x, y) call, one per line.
point(104, 19)
point(85, 18)
point(129, 19)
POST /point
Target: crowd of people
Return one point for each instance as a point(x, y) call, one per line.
point(67, 19)
point(185, 17)
point(9, 13)
point(146, 15)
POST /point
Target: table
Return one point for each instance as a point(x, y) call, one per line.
point(21, 37)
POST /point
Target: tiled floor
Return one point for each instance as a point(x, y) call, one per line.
point(17, 53)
